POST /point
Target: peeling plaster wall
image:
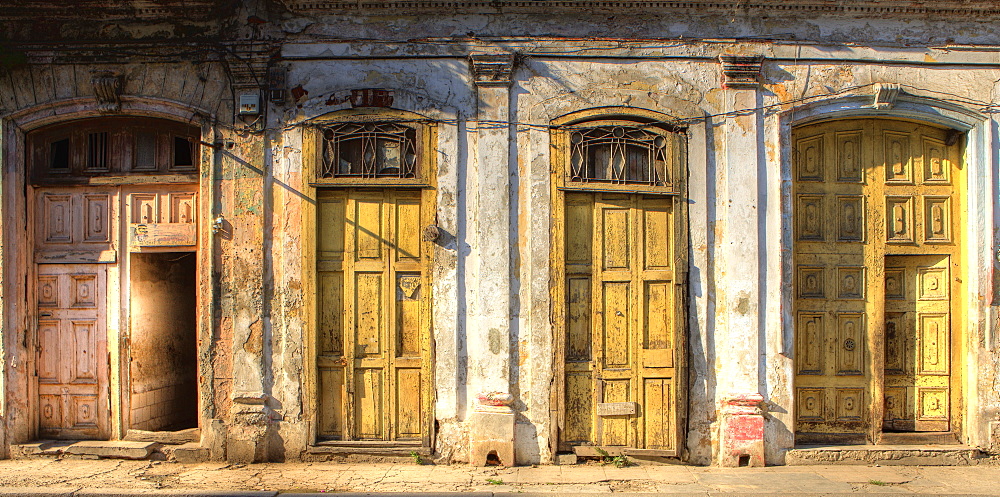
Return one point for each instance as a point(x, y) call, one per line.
point(494, 198)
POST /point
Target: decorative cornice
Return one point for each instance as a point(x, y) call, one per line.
point(869, 7)
point(492, 69)
point(741, 71)
point(104, 10)
point(108, 90)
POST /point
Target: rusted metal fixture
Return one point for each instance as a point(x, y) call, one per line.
point(372, 97)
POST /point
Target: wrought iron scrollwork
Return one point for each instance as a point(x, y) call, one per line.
point(620, 155)
point(369, 150)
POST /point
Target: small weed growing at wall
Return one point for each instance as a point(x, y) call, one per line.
point(879, 483)
point(416, 458)
point(494, 481)
point(620, 461)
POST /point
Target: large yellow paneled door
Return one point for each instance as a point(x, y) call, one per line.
point(620, 310)
point(373, 341)
point(877, 266)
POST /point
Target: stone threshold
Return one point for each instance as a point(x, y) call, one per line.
point(887, 455)
point(110, 449)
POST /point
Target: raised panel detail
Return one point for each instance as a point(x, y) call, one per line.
point(368, 314)
point(84, 411)
point(896, 346)
point(810, 404)
point(616, 325)
point(899, 219)
point(932, 404)
point(331, 331)
point(851, 218)
point(933, 336)
point(579, 407)
point(810, 282)
point(937, 219)
point(811, 337)
point(616, 239)
point(937, 166)
point(615, 429)
point(408, 231)
point(408, 315)
point(578, 335)
point(810, 215)
point(83, 290)
point(898, 161)
point(50, 412)
point(895, 284)
point(850, 404)
point(659, 310)
point(409, 406)
point(57, 218)
point(49, 356)
point(849, 167)
point(851, 283)
point(810, 159)
point(96, 220)
point(656, 236)
point(144, 208)
point(48, 291)
point(896, 406)
point(84, 341)
point(932, 283)
point(368, 230)
point(182, 207)
point(368, 403)
point(851, 344)
point(657, 413)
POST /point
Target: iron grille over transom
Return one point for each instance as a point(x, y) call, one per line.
point(369, 150)
point(620, 155)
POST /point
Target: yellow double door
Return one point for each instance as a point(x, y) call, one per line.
point(372, 348)
point(619, 300)
point(877, 272)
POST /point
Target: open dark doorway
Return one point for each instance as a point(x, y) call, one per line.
point(163, 366)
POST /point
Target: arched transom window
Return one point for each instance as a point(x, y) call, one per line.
point(621, 155)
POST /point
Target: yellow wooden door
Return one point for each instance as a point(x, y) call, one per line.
point(917, 343)
point(868, 194)
point(373, 289)
point(72, 351)
point(621, 328)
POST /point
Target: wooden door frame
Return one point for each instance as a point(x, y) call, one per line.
point(558, 150)
point(875, 342)
point(19, 267)
point(427, 137)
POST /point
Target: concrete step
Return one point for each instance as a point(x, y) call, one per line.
point(113, 449)
point(886, 455)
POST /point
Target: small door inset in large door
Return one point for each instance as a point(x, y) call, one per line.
point(877, 247)
point(372, 342)
point(917, 343)
point(72, 357)
point(621, 296)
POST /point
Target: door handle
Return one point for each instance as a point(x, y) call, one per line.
point(44, 314)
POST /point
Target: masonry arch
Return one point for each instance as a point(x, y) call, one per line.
point(870, 360)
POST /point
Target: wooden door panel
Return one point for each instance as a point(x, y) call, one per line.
point(620, 323)
point(372, 282)
point(72, 357)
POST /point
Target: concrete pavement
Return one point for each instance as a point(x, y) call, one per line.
point(94, 478)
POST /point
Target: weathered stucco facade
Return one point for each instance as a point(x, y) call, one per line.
point(491, 88)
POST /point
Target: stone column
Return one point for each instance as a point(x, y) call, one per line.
point(489, 328)
point(740, 331)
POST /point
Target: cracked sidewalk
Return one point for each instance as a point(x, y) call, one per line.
point(69, 476)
